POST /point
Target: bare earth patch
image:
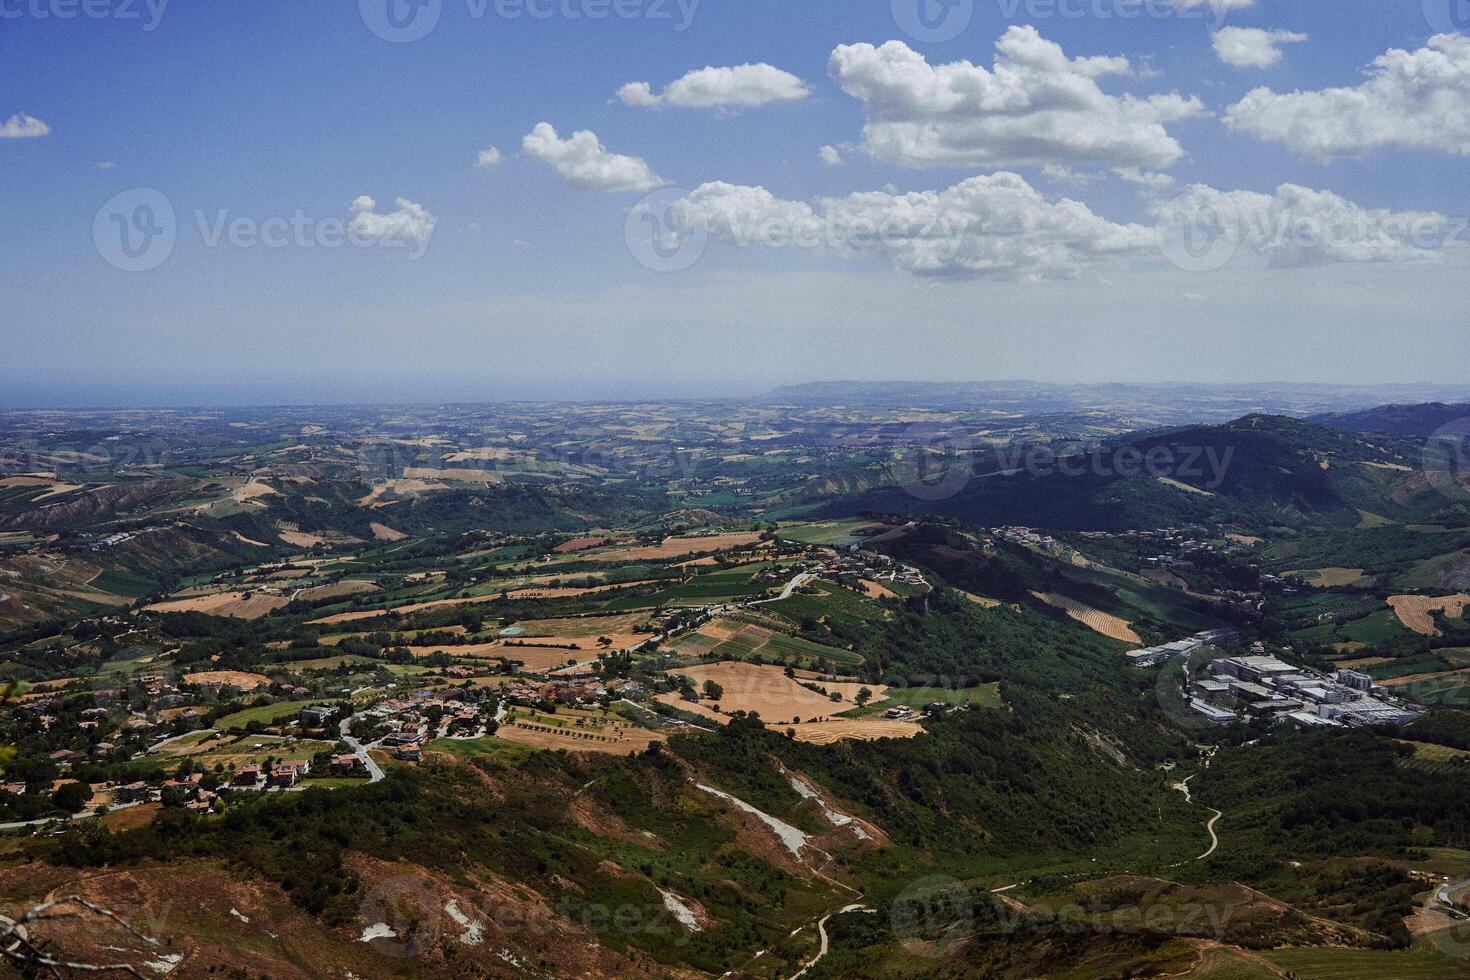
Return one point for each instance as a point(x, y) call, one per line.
point(383, 532)
point(301, 539)
point(874, 590)
point(235, 678)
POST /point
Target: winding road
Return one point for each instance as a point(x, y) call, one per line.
point(822, 932)
point(1183, 787)
point(791, 587)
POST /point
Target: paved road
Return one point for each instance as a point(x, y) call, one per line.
point(375, 772)
point(1443, 893)
point(85, 814)
point(158, 745)
point(791, 587)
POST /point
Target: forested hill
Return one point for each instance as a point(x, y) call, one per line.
point(1399, 420)
point(1258, 471)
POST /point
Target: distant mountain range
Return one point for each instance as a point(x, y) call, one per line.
point(1258, 471)
point(1401, 420)
point(1162, 404)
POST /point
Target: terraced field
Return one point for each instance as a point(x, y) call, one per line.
point(1099, 622)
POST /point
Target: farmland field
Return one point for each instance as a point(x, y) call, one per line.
point(1099, 622)
point(838, 534)
point(983, 696)
point(266, 714)
point(1415, 611)
point(743, 640)
point(241, 605)
point(766, 690)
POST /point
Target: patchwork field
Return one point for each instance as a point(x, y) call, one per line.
point(679, 547)
point(521, 591)
point(744, 640)
point(232, 750)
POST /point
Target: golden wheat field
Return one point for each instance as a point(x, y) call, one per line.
point(1094, 619)
point(1414, 610)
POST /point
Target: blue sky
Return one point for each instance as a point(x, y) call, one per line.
point(515, 280)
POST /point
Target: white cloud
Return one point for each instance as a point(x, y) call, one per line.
point(583, 160)
point(106, 165)
point(739, 87)
point(1144, 178)
point(831, 156)
point(1251, 47)
point(988, 226)
point(410, 221)
point(489, 157)
point(22, 126)
point(1061, 174)
point(1413, 99)
point(1035, 106)
point(1297, 226)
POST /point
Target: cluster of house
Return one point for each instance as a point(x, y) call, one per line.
point(196, 798)
point(561, 690)
point(1028, 537)
point(408, 719)
point(281, 775)
point(1267, 686)
point(847, 567)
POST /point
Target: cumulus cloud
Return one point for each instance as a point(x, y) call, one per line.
point(490, 156)
point(1297, 226)
point(738, 87)
point(988, 226)
point(1251, 47)
point(583, 160)
point(410, 222)
point(1144, 178)
point(22, 126)
point(1033, 107)
point(831, 156)
point(1411, 99)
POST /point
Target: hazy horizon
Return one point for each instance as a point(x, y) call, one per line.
point(85, 397)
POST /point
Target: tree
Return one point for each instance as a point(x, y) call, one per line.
point(713, 691)
point(72, 797)
point(863, 697)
